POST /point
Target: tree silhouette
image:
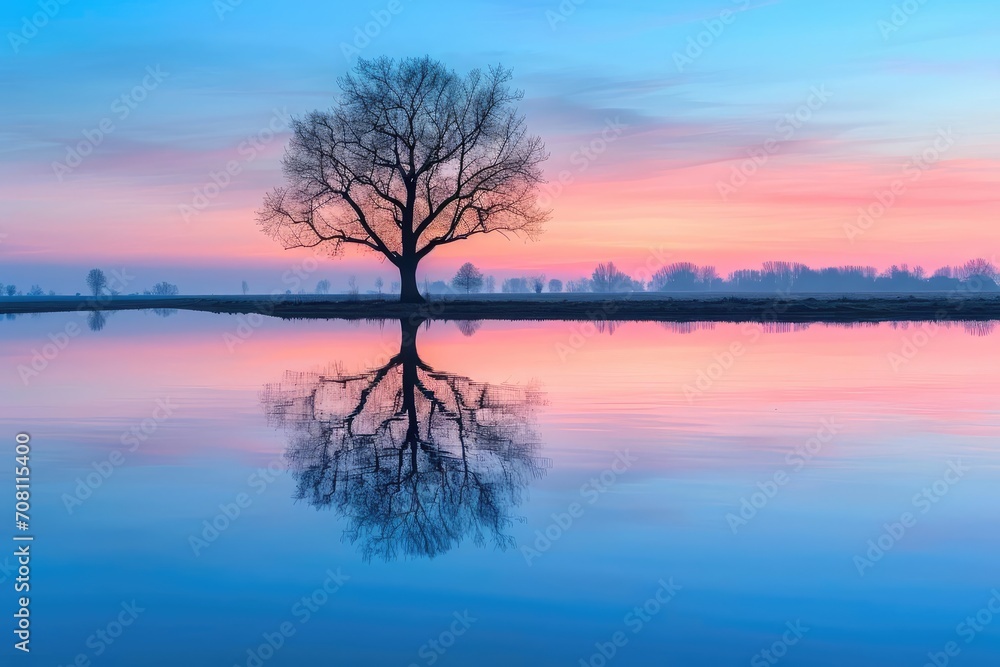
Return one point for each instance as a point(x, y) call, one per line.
point(411, 158)
point(469, 327)
point(468, 279)
point(96, 320)
point(97, 281)
point(608, 278)
point(415, 459)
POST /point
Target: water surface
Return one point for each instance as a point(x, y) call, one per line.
point(507, 493)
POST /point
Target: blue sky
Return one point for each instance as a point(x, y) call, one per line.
point(895, 78)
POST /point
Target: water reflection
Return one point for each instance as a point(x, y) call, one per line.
point(469, 327)
point(96, 319)
point(415, 459)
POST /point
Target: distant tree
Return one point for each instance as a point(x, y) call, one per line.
point(412, 157)
point(165, 289)
point(537, 284)
point(323, 287)
point(52, 292)
point(378, 284)
point(394, 287)
point(608, 278)
point(555, 286)
point(490, 285)
point(36, 291)
point(246, 288)
point(580, 285)
point(352, 285)
point(469, 279)
point(97, 281)
point(684, 276)
point(978, 267)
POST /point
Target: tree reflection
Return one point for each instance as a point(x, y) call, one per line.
point(96, 320)
point(414, 458)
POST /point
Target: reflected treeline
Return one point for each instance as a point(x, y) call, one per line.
point(416, 459)
point(973, 328)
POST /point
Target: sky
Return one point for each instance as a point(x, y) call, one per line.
point(722, 132)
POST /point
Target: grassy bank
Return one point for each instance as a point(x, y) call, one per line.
point(642, 307)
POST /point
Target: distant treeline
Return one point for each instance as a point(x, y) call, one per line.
point(974, 275)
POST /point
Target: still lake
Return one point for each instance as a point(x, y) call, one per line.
point(497, 493)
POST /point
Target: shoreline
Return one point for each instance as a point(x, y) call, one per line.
point(658, 307)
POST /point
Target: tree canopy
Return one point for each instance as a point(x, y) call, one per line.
point(411, 157)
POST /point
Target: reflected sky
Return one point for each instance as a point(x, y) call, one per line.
point(653, 437)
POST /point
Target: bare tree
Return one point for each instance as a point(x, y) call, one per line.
point(246, 287)
point(555, 286)
point(165, 289)
point(537, 284)
point(415, 459)
point(978, 267)
point(323, 287)
point(608, 278)
point(97, 281)
point(490, 284)
point(411, 158)
point(469, 279)
point(378, 284)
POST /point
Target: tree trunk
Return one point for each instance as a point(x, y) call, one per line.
point(409, 293)
point(409, 359)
